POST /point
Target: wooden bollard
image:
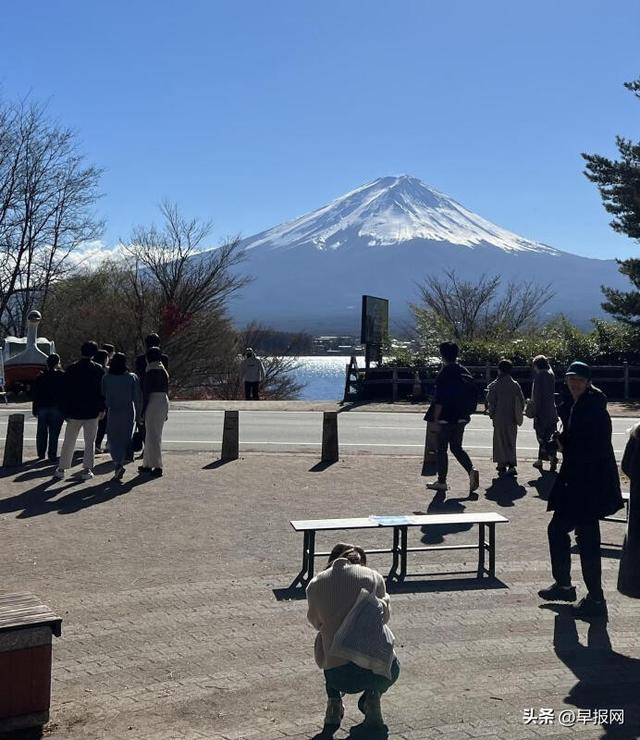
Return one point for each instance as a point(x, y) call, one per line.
point(14, 441)
point(231, 436)
point(330, 450)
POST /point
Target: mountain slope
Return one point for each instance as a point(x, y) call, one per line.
point(383, 239)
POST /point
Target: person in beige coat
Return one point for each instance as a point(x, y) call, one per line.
point(505, 402)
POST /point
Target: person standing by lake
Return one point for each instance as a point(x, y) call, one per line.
point(123, 398)
point(505, 402)
point(544, 411)
point(251, 374)
point(586, 490)
point(48, 390)
point(155, 388)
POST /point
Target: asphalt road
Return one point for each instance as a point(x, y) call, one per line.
point(361, 432)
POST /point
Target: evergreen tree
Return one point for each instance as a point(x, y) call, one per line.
point(618, 181)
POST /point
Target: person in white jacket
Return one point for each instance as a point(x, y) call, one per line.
point(330, 597)
point(251, 374)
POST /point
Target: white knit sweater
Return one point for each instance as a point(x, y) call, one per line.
point(330, 597)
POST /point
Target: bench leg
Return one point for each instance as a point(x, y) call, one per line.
point(403, 554)
point(308, 559)
point(481, 547)
point(395, 551)
point(492, 550)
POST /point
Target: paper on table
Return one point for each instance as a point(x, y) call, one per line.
point(391, 521)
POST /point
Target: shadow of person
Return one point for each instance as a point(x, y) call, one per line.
point(505, 490)
point(543, 484)
point(34, 499)
point(432, 535)
point(607, 680)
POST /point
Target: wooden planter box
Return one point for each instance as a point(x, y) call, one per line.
point(26, 627)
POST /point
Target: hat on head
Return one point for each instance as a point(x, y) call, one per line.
point(579, 369)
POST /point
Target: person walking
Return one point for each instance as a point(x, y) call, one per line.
point(373, 667)
point(586, 490)
point(123, 399)
point(82, 407)
point(101, 358)
point(155, 388)
point(543, 411)
point(251, 374)
point(505, 402)
point(48, 391)
point(454, 401)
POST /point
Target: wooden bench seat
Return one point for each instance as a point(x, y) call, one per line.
point(399, 549)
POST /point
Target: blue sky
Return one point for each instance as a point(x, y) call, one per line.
point(253, 112)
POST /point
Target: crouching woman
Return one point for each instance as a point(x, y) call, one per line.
point(349, 606)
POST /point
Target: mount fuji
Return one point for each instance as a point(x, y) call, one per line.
point(384, 238)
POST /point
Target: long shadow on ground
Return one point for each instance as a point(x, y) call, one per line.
point(39, 500)
point(505, 491)
point(544, 484)
point(607, 680)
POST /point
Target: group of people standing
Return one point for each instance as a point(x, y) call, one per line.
point(98, 396)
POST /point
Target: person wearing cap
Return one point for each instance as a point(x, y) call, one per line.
point(586, 490)
point(251, 374)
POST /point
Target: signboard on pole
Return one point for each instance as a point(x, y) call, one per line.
point(375, 320)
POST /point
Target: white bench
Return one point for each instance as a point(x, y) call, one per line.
point(399, 549)
point(625, 519)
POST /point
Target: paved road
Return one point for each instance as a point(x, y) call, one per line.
point(287, 431)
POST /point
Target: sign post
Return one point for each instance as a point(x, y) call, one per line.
point(374, 329)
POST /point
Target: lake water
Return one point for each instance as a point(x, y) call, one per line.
point(323, 377)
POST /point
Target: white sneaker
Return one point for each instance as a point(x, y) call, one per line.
point(373, 711)
point(437, 486)
point(58, 474)
point(86, 474)
point(335, 712)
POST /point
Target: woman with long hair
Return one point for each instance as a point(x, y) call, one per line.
point(155, 388)
point(123, 398)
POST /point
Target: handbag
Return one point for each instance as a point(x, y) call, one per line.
point(137, 439)
point(530, 409)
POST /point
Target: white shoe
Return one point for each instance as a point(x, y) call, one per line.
point(335, 712)
point(437, 486)
point(58, 474)
point(86, 474)
point(373, 711)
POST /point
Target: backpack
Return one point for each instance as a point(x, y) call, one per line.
point(468, 396)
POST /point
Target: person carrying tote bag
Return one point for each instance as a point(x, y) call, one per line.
point(155, 388)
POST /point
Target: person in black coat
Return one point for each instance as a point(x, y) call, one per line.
point(586, 490)
point(48, 390)
point(629, 573)
point(82, 406)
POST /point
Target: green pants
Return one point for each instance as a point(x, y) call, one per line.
point(352, 679)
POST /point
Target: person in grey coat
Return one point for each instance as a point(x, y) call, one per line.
point(123, 397)
point(545, 413)
point(505, 402)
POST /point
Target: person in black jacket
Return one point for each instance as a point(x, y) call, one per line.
point(151, 340)
point(155, 391)
point(586, 490)
point(82, 406)
point(448, 411)
point(47, 399)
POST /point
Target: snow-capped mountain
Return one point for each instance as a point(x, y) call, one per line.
point(390, 210)
point(386, 237)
